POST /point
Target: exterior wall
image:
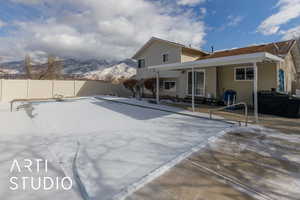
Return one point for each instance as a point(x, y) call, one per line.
point(267, 79)
point(28, 89)
point(145, 73)
point(153, 54)
point(290, 72)
point(187, 56)
point(210, 83)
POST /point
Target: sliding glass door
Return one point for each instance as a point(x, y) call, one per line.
point(199, 83)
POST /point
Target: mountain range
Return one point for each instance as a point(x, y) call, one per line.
point(88, 69)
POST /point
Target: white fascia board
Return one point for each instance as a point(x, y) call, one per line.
point(213, 62)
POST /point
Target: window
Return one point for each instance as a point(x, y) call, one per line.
point(244, 73)
point(161, 84)
point(165, 58)
point(199, 83)
point(141, 63)
point(170, 85)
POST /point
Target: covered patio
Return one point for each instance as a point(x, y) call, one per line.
point(252, 59)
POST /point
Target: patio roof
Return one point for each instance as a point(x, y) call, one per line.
point(222, 61)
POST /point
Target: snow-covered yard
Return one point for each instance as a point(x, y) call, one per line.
point(109, 149)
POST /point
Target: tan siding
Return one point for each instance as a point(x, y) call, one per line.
point(290, 72)
point(153, 54)
point(211, 81)
point(187, 56)
point(266, 80)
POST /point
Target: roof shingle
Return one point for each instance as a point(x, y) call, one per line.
point(280, 49)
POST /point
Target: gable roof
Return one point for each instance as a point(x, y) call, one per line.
point(280, 49)
point(153, 39)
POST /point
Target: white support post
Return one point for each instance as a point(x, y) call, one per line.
point(157, 87)
point(255, 89)
point(193, 89)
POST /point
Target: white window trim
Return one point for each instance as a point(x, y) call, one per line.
point(142, 58)
point(187, 85)
point(243, 67)
point(173, 89)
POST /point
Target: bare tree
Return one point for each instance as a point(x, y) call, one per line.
point(131, 85)
point(54, 68)
point(28, 67)
point(150, 84)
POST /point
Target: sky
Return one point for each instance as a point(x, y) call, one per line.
point(116, 29)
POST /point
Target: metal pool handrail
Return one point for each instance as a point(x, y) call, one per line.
point(33, 99)
point(231, 106)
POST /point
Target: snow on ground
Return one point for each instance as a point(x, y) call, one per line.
point(109, 149)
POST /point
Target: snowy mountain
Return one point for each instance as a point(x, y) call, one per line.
point(89, 69)
point(115, 73)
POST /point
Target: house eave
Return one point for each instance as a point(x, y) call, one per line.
point(223, 61)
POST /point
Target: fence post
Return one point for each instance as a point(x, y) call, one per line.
point(52, 88)
point(74, 88)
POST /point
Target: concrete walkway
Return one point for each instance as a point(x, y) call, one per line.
point(259, 164)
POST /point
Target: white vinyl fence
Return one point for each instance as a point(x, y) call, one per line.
point(23, 89)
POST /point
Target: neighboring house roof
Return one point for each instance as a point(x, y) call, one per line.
point(280, 49)
point(153, 39)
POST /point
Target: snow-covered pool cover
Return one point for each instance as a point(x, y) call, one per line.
point(119, 147)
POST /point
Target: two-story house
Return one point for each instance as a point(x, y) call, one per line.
point(157, 52)
point(244, 70)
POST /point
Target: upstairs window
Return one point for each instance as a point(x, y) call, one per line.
point(141, 63)
point(244, 73)
point(165, 58)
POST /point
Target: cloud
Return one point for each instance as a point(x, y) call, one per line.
point(2, 23)
point(234, 20)
point(231, 22)
point(291, 33)
point(26, 1)
point(106, 29)
point(288, 10)
point(203, 12)
point(190, 2)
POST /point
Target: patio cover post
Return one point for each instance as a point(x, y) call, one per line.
point(255, 82)
point(193, 89)
point(157, 87)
